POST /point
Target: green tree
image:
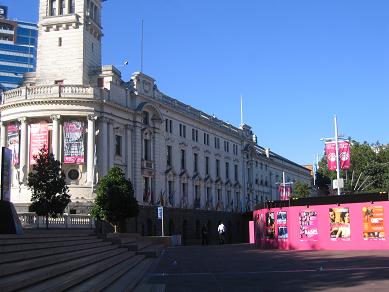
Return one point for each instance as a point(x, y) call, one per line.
point(47, 183)
point(115, 199)
point(300, 190)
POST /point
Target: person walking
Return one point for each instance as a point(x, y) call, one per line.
point(204, 235)
point(221, 229)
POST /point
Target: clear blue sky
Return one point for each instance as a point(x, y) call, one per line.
point(296, 63)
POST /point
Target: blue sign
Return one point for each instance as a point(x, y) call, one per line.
point(160, 213)
point(3, 12)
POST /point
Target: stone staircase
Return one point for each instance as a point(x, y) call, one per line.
point(59, 260)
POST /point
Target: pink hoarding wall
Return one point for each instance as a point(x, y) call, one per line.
point(251, 232)
point(351, 226)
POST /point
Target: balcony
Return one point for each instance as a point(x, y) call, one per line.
point(147, 164)
point(52, 91)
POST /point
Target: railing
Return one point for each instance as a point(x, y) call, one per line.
point(51, 91)
point(72, 221)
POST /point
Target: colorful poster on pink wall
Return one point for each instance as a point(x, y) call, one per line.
point(39, 136)
point(270, 226)
point(281, 225)
point(373, 223)
point(308, 225)
point(339, 224)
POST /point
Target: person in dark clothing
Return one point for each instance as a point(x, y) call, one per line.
point(204, 235)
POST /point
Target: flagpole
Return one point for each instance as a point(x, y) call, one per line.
point(337, 155)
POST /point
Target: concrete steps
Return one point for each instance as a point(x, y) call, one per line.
point(74, 261)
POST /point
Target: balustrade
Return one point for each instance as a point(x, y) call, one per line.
point(31, 220)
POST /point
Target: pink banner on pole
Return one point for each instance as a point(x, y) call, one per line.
point(344, 155)
point(39, 136)
point(13, 142)
point(331, 155)
point(74, 142)
point(284, 192)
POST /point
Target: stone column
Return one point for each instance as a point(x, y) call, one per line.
point(111, 145)
point(4, 134)
point(91, 149)
point(128, 151)
point(137, 161)
point(56, 142)
point(103, 144)
point(23, 150)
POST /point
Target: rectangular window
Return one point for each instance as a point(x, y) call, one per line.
point(195, 135)
point(53, 7)
point(208, 194)
point(146, 189)
point(61, 7)
point(235, 149)
point(147, 150)
point(183, 159)
point(217, 143)
point(169, 126)
point(206, 165)
point(59, 42)
point(219, 195)
point(118, 145)
point(226, 146)
point(170, 188)
point(217, 168)
point(169, 156)
point(206, 139)
point(72, 6)
point(227, 171)
point(236, 172)
point(145, 118)
point(182, 131)
point(195, 161)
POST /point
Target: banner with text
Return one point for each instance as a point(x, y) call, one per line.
point(344, 154)
point(74, 142)
point(331, 155)
point(284, 192)
point(13, 142)
point(39, 136)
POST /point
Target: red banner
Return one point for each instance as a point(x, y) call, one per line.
point(344, 155)
point(284, 192)
point(331, 155)
point(39, 136)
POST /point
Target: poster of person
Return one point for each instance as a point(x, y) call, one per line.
point(281, 225)
point(308, 225)
point(39, 136)
point(339, 223)
point(13, 142)
point(270, 228)
point(74, 142)
point(373, 223)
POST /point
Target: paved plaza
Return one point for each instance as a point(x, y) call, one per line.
point(244, 268)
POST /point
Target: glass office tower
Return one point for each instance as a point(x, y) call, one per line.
point(18, 43)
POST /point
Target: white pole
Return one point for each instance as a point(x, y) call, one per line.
point(337, 154)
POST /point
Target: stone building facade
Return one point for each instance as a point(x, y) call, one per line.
point(175, 155)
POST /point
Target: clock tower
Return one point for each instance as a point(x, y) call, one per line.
point(69, 43)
